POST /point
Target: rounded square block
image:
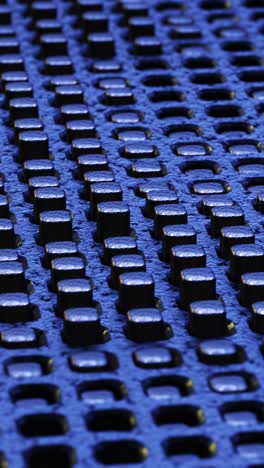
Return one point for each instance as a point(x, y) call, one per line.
point(12, 277)
point(85, 146)
point(23, 107)
point(156, 198)
point(147, 45)
point(73, 293)
point(139, 151)
point(197, 284)
point(145, 324)
point(76, 129)
point(176, 234)
point(113, 219)
point(90, 163)
point(120, 245)
point(38, 168)
point(156, 357)
point(66, 268)
point(233, 382)
point(245, 259)
point(96, 177)
point(136, 290)
point(33, 145)
point(61, 80)
point(118, 97)
point(185, 256)
point(125, 117)
point(60, 249)
point(41, 182)
point(9, 255)
point(12, 76)
point(167, 214)
point(17, 89)
point(55, 226)
point(225, 216)
point(220, 352)
point(11, 63)
point(7, 235)
point(4, 207)
point(257, 317)
point(19, 338)
point(27, 125)
point(124, 264)
point(89, 5)
point(112, 83)
point(251, 288)
point(15, 307)
point(68, 94)
point(233, 235)
point(146, 169)
point(53, 44)
point(58, 65)
point(103, 192)
point(140, 26)
point(207, 319)
point(70, 112)
point(82, 326)
point(48, 199)
point(101, 45)
point(214, 201)
point(106, 66)
point(47, 26)
point(42, 10)
point(93, 361)
point(94, 21)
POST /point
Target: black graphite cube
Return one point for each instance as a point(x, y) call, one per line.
point(113, 219)
point(197, 284)
point(185, 256)
point(165, 215)
point(118, 245)
point(66, 268)
point(96, 177)
point(73, 293)
point(48, 199)
point(101, 45)
point(245, 259)
point(90, 163)
point(145, 324)
point(12, 277)
point(103, 192)
point(257, 316)
point(124, 264)
point(55, 226)
point(176, 234)
point(159, 198)
point(7, 235)
point(233, 235)
point(33, 145)
point(38, 168)
point(82, 326)
point(15, 307)
point(207, 319)
point(136, 290)
point(68, 94)
point(225, 216)
point(60, 249)
point(251, 288)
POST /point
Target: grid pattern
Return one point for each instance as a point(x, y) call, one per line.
point(131, 233)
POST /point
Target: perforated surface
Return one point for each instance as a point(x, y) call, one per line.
point(132, 130)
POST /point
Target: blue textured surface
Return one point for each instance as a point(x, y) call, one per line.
point(151, 435)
